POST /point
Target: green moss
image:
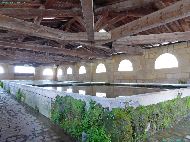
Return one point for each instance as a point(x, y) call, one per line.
point(119, 125)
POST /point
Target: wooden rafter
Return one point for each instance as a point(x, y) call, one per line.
point(32, 29)
point(166, 15)
point(124, 5)
point(28, 13)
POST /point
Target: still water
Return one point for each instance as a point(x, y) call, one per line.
point(105, 91)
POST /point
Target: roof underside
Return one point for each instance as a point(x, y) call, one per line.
point(67, 31)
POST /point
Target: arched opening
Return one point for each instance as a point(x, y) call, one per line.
point(24, 69)
point(1, 69)
point(69, 70)
point(82, 70)
point(166, 60)
point(48, 72)
point(59, 72)
point(102, 31)
point(125, 65)
point(100, 68)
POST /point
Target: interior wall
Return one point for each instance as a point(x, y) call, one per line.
point(143, 68)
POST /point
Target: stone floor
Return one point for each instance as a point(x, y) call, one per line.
point(19, 123)
point(179, 133)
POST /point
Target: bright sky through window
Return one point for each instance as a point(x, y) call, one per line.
point(24, 69)
point(82, 70)
point(102, 31)
point(166, 61)
point(69, 70)
point(1, 70)
point(59, 72)
point(100, 68)
point(125, 65)
point(48, 72)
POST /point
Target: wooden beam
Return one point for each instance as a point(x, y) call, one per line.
point(48, 49)
point(113, 21)
point(32, 29)
point(38, 19)
point(129, 50)
point(166, 15)
point(124, 5)
point(29, 13)
point(154, 38)
point(100, 21)
point(88, 14)
point(21, 5)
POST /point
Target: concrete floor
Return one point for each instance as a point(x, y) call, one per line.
point(19, 123)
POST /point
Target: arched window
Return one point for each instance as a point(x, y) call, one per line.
point(82, 70)
point(59, 72)
point(166, 61)
point(69, 70)
point(24, 69)
point(100, 68)
point(1, 70)
point(125, 65)
point(48, 72)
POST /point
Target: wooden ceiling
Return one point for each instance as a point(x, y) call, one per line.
point(67, 31)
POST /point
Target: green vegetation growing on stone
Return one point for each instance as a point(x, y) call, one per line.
point(119, 125)
point(182, 81)
point(20, 96)
point(1, 84)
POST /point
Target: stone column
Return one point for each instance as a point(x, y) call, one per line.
point(55, 70)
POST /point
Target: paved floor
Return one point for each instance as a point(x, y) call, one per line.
point(19, 123)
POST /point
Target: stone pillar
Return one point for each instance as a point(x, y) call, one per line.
point(55, 70)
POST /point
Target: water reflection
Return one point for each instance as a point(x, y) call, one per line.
point(59, 89)
point(50, 88)
point(82, 92)
point(69, 90)
point(98, 94)
point(106, 91)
